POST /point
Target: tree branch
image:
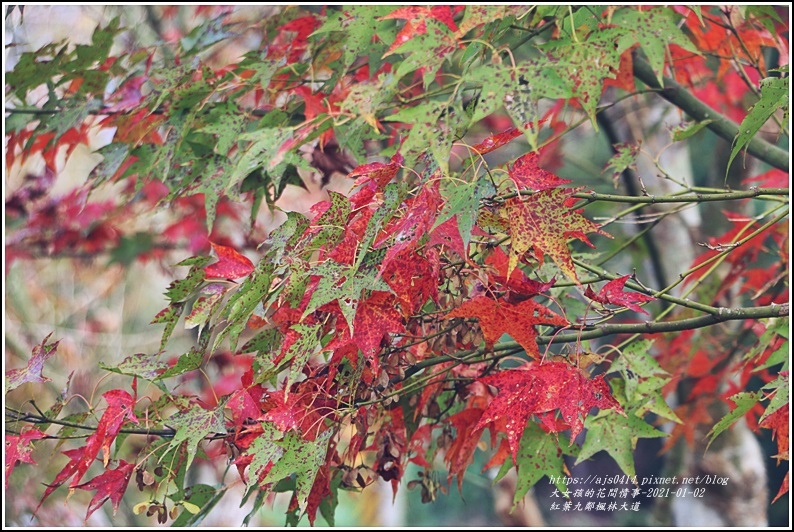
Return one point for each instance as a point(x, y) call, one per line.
point(597, 331)
point(721, 125)
point(35, 419)
point(682, 197)
point(686, 197)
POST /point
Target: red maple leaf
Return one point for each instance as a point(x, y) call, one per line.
point(345, 251)
point(414, 224)
point(320, 490)
point(612, 293)
point(230, 265)
point(32, 372)
point(286, 411)
point(120, 408)
point(109, 485)
point(448, 234)
point(372, 178)
point(778, 422)
point(519, 286)
point(414, 279)
point(744, 42)
point(129, 95)
point(497, 140)
point(18, 448)
point(375, 317)
point(537, 388)
point(499, 457)
point(292, 39)
point(695, 413)
point(461, 451)
point(526, 174)
point(243, 407)
point(140, 127)
point(771, 178)
point(518, 320)
point(75, 460)
point(415, 17)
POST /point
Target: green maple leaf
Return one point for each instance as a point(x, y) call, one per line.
point(617, 435)
point(303, 459)
point(244, 301)
point(636, 364)
point(774, 96)
point(478, 15)
point(343, 283)
point(264, 452)
point(463, 201)
point(286, 236)
point(169, 315)
point(206, 304)
point(744, 402)
point(780, 388)
point(650, 399)
point(426, 120)
point(227, 121)
point(367, 100)
point(363, 32)
point(330, 274)
point(643, 380)
point(193, 426)
point(187, 362)
point(776, 327)
point(426, 50)
point(655, 29)
point(141, 365)
point(588, 63)
point(624, 159)
point(539, 454)
point(182, 289)
point(518, 89)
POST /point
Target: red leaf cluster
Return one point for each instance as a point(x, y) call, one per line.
point(119, 409)
point(537, 388)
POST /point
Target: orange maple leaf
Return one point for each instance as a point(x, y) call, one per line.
point(498, 316)
point(544, 221)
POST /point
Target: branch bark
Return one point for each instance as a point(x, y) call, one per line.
point(721, 125)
